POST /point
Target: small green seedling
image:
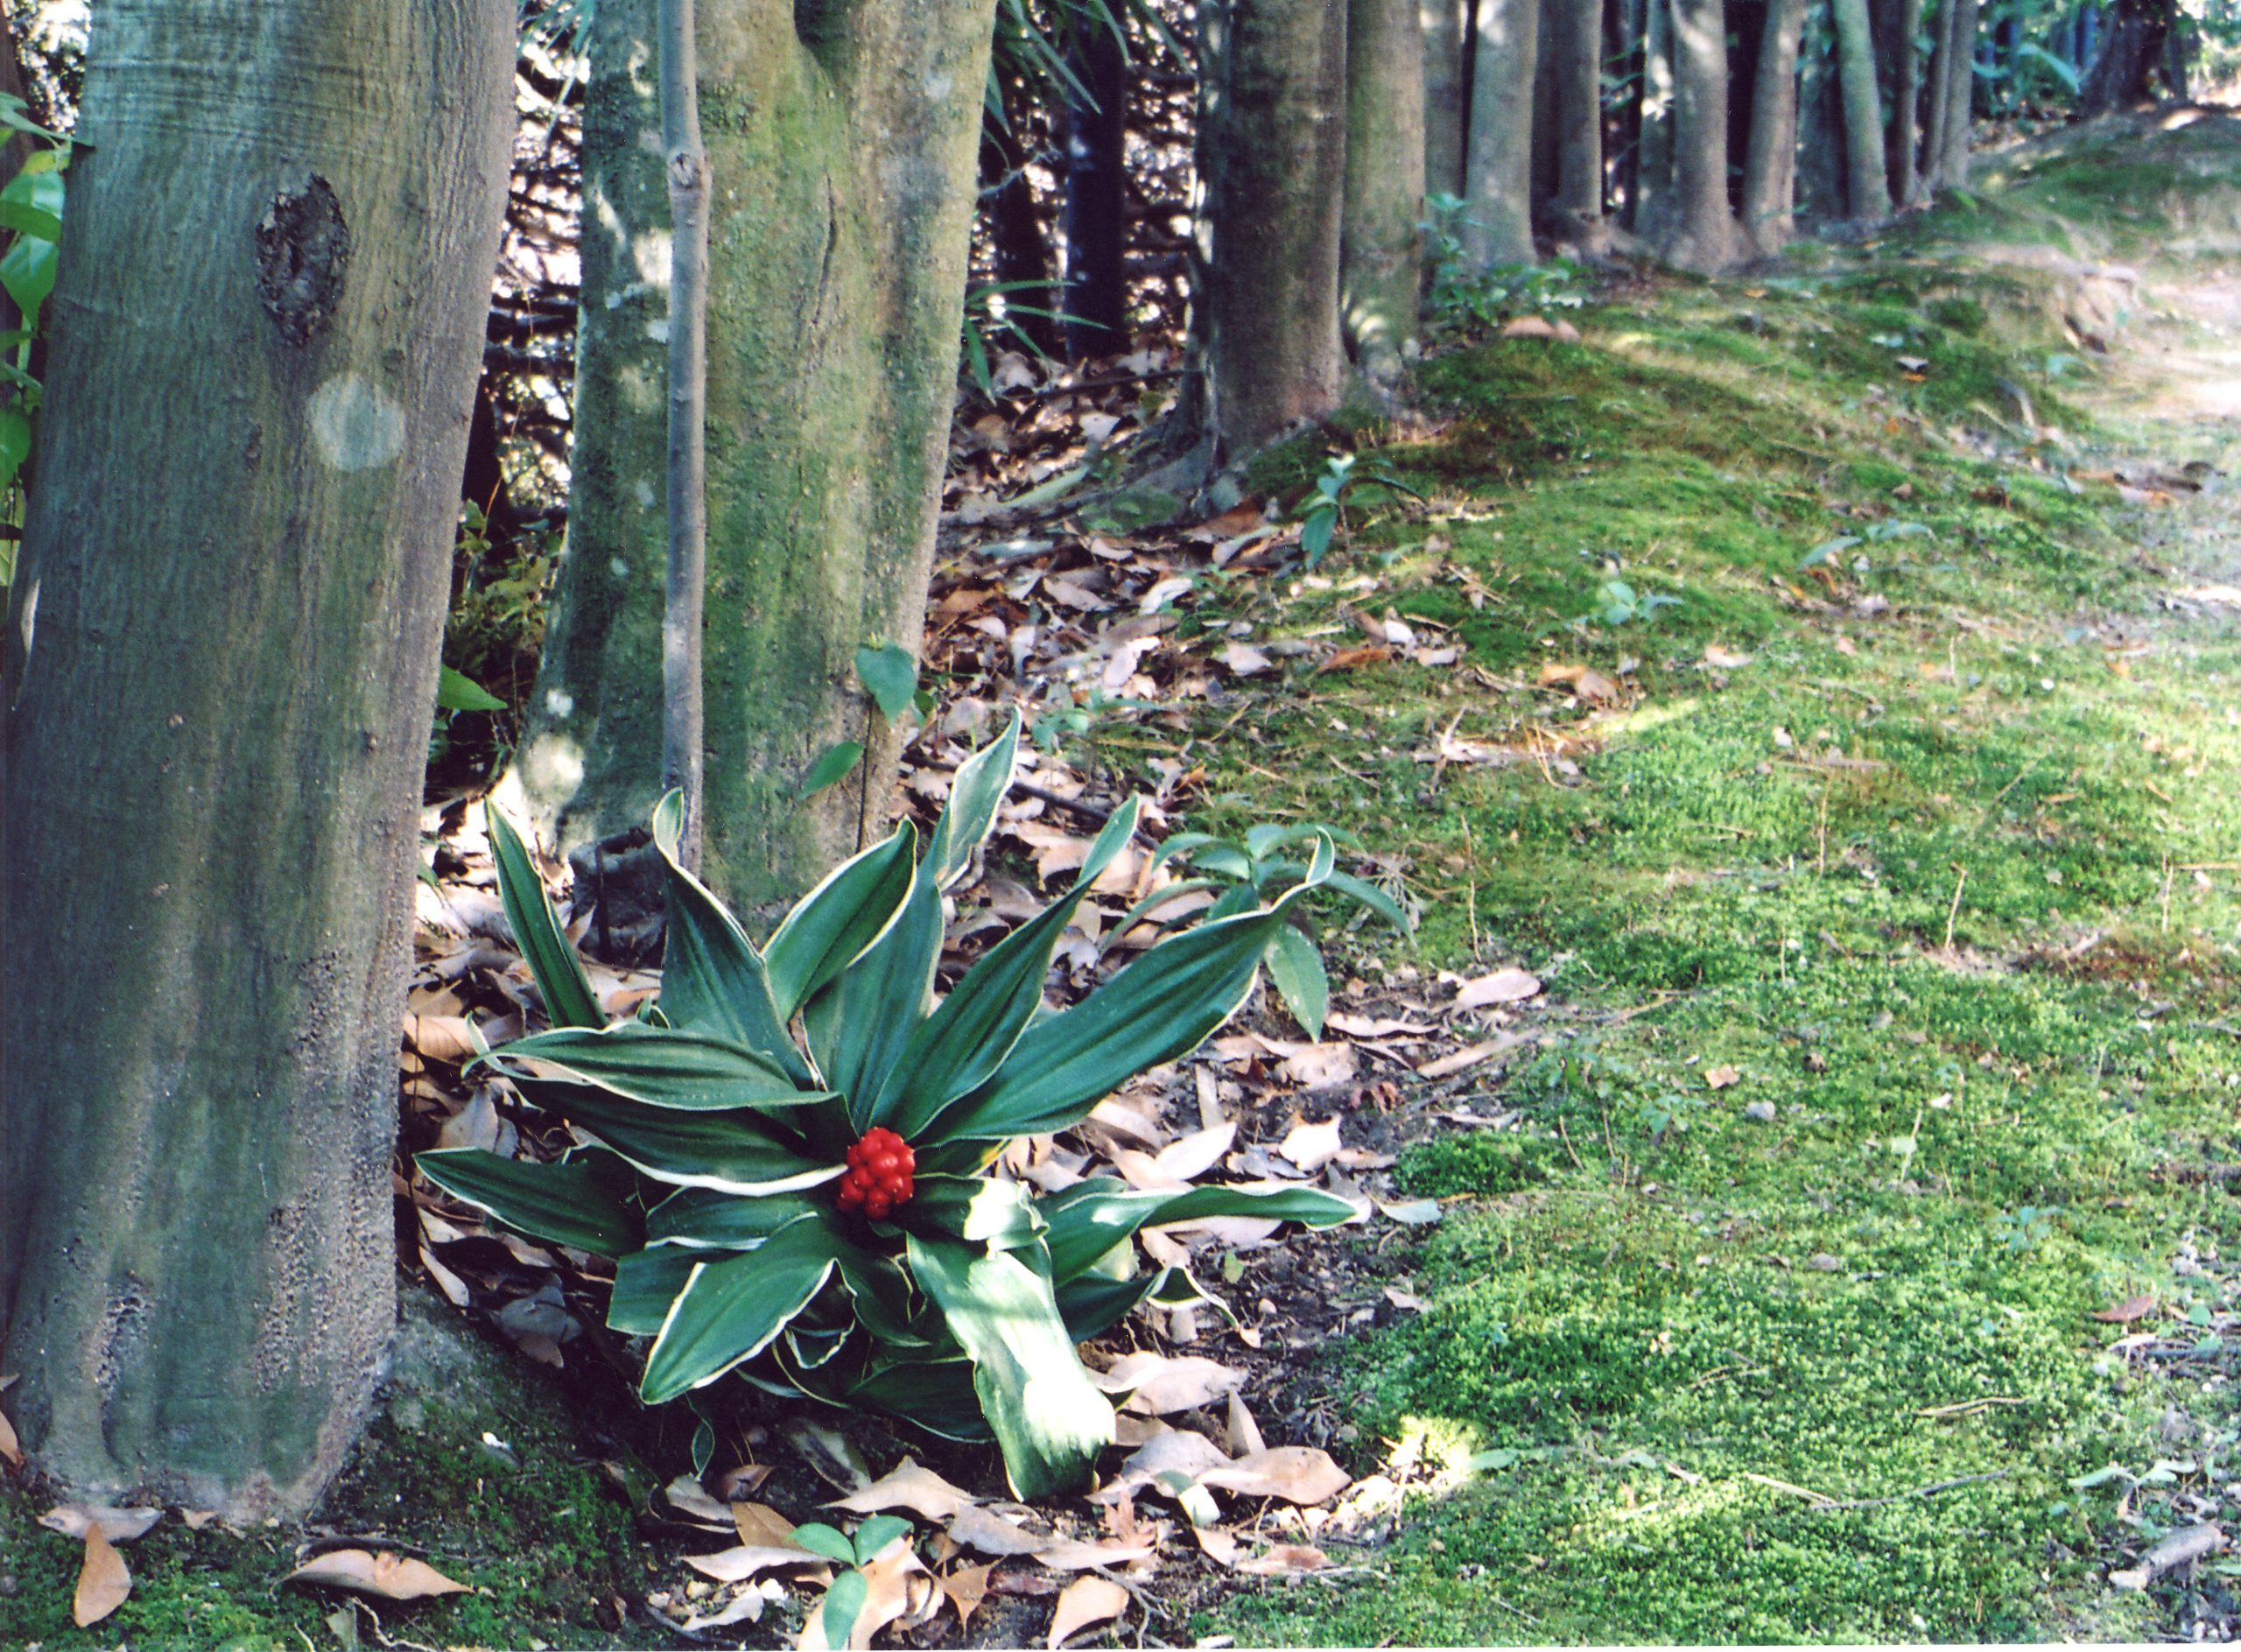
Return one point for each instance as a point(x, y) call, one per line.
point(1327, 505)
point(845, 1600)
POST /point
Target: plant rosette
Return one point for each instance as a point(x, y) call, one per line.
point(788, 1154)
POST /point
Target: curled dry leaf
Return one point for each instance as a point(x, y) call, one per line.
point(967, 1587)
point(749, 1560)
point(1246, 660)
point(1219, 1544)
point(1311, 1146)
point(1586, 682)
point(910, 1486)
point(118, 1525)
point(1194, 1155)
point(1412, 1212)
point(103, 1581)
point(1243, 1433)
point(2130, 1309)
point(1472, 1055)
point(1157, 1384)
point(1085, 1601)
point(691, 1499)
point(1509, 985)
point(1296, 1473)
point(1317, 1067)
point(746, 1606)
point(1720, 1078)
point(992, 1534)
point(392, 1577)
point(1070, 1554)
point(759, 1524)
point(1286, 1560)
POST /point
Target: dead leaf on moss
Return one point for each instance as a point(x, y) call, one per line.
point(103, 1581)
point(1245, 660)
point(1084, 1602)
point(118, 1525)
point(910, 1486)
point(392, 1577)
point(1510, 986)
point(1286, 1560)
point(1721, 1078)
point(1586, 682)
point(2130, 1309)
point(1470, 1056)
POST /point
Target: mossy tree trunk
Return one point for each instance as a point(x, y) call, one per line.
point(1578, 50)
point(1867, 195)
point(1704, 237)
point(1770, 163)
point(274, 274)
point(841, 139)
point(1272, 157)
point(1498, 162)
point(1381, 247)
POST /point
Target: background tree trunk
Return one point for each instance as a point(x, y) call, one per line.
point(1867, 196)
point(1770, 163)
point(1381, 262)
point(1272, 89)
point(1706, 234)
point(1023, 252)
point(275, 270)
point(1905, 107)
point(2133, 45)
point(1447, 94)
point(1649, 206)
point(1938, 102)
point(1498, 163)
point(1097, 195)
point(1961, 95)
point(843, 139)
point(1579, 116)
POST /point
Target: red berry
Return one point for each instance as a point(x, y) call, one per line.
point(879, 1174)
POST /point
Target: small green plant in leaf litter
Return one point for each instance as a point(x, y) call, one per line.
point(720, 1177)
point(1320, 516)
point(1247, 870)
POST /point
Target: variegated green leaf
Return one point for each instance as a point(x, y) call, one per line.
point(730, 1310)
point(731, 1152)
point(1297, 967)
point(1090, 1218)
point(834, 925)
point(975, 791)
point(552, 963)
point(564, 1204)
point(664, 1067)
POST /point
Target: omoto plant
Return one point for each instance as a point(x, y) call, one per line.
point(788, 1154)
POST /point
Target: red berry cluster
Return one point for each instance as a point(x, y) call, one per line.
point(879, 1174)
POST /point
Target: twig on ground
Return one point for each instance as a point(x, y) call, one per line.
point(2182, 1547)
point(1897, 1497)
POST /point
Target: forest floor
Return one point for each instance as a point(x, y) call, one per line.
point(1833, 785)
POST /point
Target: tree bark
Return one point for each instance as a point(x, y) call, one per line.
point(1905, 168)
point(842, 137)
point(1961, 95)
point(1867, 195)
point(1770, 163)
point(1381, 247)
point(1649, 208)
point(275, 271)
point(2121, 75)
point(1097, 195)
point(1579, 115)
point(1938, 104)
point(1706, 239)
point(1447, 94)
point(1498, 161)
point(684, 591)
point(1272, 162)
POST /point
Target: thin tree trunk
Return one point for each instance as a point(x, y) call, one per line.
point(1381, 247)
point(1447, 95)
point(1498, 206)
point(1272, 166)
point(1579, 115)
point(843, 137)
point(2136, 30)
point(1867, 197)
point(689, 183)
point(274, 272)
point(1938, 98)
point(1706, 238)
point(1649, 212)
point(1905, 118)
point(1770, 164)
point(1961, 93)
point(1097, 195)
point(1021, 251)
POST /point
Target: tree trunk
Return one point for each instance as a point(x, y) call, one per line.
point(1544, 112)
point(1498, 161)
point(1021, 250)
point(1706, 238)
point(1097, 195)
point(1867, 197)
point(1381, 262)
point(1938, 101)
point(841, 137)
point(1820, 184)
point(684, 590)
point(1961, 94)
point(1579, 117)
point(1447, 95)
point(2132, 47)
point(1271, 150)
point(1906, 103)
point(276, 268)
point(1770, 164)
point(1649, 210)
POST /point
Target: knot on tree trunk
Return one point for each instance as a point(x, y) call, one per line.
point(303, 252)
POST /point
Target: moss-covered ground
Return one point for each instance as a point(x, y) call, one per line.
point(1916, 810)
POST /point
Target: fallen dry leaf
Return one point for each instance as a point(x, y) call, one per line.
point(1725, 659)
point(1720, 1078)
point(1510, 986)
point(2130, 1309)
point(1243, 1433)
point(910, 1486)
point(967, 1587)
point(1318, 1066)
point(1528, 326)
point(1311, 1146)
point(1411, 1213)
point(744, 1607)
point(1219, 1546)
point(1161, 1384)
point(393, 1576)
point(103, 1582)
point(446, 1038)
point(689, 1498)
point(1085, 1601)
point(1286, 1559)
point(1469, 1057)
point(1245, 660)
point(1071, 1554)
point(1586, 682)
point(1194, 1155)
point(1347, 659)
point(1296, 1473)
point(992, 1534)
point(118, 1525)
